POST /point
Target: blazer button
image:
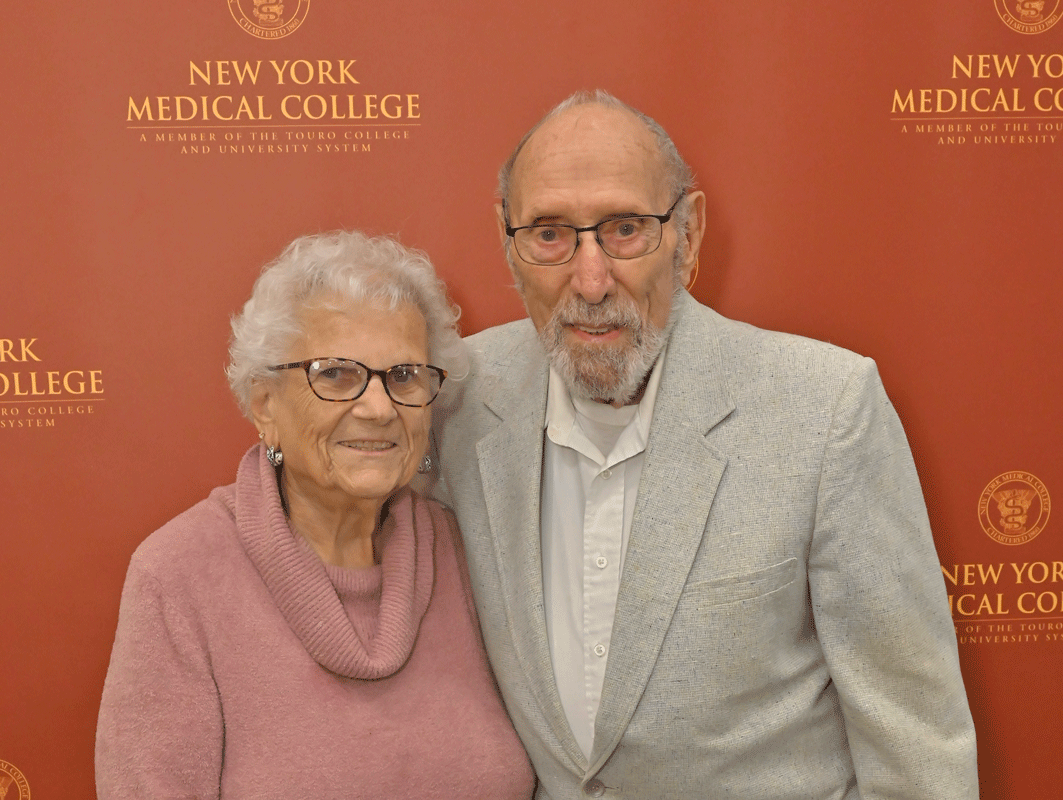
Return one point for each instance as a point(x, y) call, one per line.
point(594, 788)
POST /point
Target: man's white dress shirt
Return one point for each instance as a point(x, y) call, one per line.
point(593, 458)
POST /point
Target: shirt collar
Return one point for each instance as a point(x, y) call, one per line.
point(562, 414)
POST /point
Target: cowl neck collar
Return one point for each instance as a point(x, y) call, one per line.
point(300, 586)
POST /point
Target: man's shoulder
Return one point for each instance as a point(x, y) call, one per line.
point(502, 345)
point(742, 342)
point(490, 339)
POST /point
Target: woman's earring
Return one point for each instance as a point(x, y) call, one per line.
point(425, 466)
point(274, 456)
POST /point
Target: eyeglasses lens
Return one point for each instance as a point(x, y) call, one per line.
point(412, 384)
point(339, 379)
point(333, 379)
point(627, 237)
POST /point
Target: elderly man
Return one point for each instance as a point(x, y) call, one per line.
point(700, 552)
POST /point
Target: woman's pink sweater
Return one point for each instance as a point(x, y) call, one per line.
point(244, 667)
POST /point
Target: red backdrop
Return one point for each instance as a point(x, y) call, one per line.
point(883, 176)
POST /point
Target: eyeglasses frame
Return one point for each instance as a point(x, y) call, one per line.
point(662, 218)
point(370, 372)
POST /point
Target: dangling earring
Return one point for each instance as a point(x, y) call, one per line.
point(274, 456)
point(425, 466)
point(694, 277)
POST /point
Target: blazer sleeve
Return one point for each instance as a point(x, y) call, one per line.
point(160, 732)
point(881, 611)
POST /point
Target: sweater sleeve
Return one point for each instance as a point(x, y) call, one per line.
point(160, 730)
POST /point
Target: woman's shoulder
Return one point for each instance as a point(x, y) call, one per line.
point(193, 539)
point(451, 564)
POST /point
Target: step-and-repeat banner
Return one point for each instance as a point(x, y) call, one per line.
point(886, 176)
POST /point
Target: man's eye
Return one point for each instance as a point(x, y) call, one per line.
point(547, 235)
point(628, 228)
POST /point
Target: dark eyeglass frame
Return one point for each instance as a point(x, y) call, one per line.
point(511, 232)
point(370, 372)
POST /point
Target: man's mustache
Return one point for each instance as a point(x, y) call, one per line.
point(609, 313)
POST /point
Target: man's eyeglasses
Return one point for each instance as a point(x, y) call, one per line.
point(628, 236)
point(340, 379)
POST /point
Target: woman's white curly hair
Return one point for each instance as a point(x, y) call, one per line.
point(315, 271)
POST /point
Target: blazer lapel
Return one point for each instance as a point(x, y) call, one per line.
point(510, 459)
point(679, 481)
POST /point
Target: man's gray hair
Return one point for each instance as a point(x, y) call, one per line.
point(318, 270)
point(678, 175)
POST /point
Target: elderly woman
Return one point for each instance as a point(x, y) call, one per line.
point(308, 631)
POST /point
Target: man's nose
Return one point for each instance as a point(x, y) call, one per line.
point(592, 270)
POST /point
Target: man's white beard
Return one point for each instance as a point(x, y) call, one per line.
point(613, 372)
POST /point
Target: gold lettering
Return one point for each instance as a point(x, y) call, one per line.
point(214, 107)
point(940, 108)
point(80, 384)
point(181, 101)
point(244, 108)
point(247, 72)
point(1058, 57)
point(321, 105)
point(384, 110)
point(990, 572)
point(901, 105)
point(279, 70)
point(1001, 100)
point(310, 72)
point(33, 385)
point(193, 71)
point(1009, 65)
point(284, 106)
point(143, 111)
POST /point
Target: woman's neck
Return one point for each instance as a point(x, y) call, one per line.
point(340, 533)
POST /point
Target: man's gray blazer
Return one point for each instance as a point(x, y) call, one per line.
point(781, 630)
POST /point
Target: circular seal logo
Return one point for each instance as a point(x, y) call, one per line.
point(1014, 508)
point(12, 779)
point(269, 19)
point(1028, 16)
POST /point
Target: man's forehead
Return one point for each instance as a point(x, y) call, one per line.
point(593, 148)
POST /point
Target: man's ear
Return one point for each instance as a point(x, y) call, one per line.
point(695, 232)
point(500, 214)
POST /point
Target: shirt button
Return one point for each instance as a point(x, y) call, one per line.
point(599, 650)
point(601, 562)
point(594, 788)
point(607, 474)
